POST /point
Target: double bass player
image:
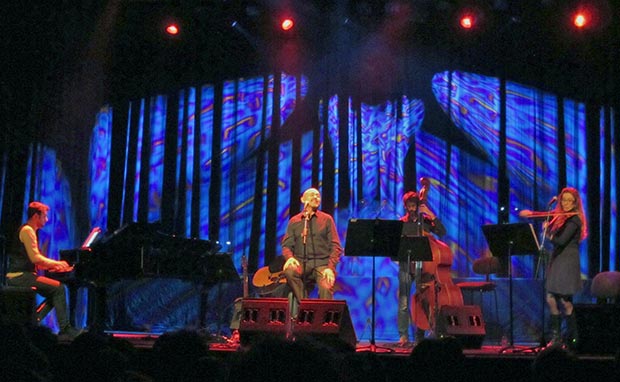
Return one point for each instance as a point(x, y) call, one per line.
point(419, 218)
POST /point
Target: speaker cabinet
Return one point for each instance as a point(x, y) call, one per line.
point(17, 305)
point(599, 332)
point(465, 323)
point(326, 320)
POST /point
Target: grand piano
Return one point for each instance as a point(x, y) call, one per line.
point(137, 251)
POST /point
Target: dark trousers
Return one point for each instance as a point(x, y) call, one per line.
point(301, 284)
point(51, 289)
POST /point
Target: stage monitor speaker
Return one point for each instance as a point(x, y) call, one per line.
point(17, 305)
point(328, 321)
point(465, 323)
point(599, 332)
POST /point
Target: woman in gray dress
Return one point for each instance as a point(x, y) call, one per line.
point(565, 231)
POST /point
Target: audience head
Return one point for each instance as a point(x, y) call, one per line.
point(438, 360)
point(554, 364)
point(362, 367)
point(304, 360)
point(177, 355)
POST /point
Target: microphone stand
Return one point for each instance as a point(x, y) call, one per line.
point(294, 301)
point(304, 234)
point(541, 266)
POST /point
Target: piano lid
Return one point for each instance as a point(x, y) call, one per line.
point(136, 235)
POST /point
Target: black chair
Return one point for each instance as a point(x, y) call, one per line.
point(484, 266)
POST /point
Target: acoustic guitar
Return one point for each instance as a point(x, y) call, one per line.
point(267, 281)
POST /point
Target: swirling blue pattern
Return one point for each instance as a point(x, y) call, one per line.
point(190, 103)
point(156, 166)
point(240, 137)
point(206, 156)
point(100, 146)
point(473, 101)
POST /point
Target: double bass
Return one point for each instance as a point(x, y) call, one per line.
point(434, 285)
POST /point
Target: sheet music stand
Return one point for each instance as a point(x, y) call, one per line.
point(414, 248)
point(373, 238)
point(217, 268)
point(507, 240)
point(417, 249)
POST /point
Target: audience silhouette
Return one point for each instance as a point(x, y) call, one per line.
point(184, 356)
point(30, 353)
point(304, 360)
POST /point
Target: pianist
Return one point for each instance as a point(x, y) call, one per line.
point(25, 262)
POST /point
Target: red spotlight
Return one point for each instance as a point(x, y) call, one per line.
point(580, 20)
point(467, 21)
point(172, 29)
point(287, 24)
point(589, 15)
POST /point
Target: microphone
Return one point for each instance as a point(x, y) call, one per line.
point(552, 201)
point(306, 214)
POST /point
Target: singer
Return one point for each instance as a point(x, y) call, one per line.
point(312, 249)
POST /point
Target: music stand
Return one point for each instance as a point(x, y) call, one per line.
point(216, 268)
point(373, 238)
point(507, 240)
point(414, 248)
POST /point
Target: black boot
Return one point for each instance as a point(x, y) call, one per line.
point(571, 326)
point(556, 327)
point(419, 335)
point(69, 333)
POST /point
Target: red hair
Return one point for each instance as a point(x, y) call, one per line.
point(37, 208)
point(558, 221)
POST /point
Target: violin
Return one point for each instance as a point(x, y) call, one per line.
point(434, 285)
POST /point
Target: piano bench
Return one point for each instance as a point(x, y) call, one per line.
point(18, 305)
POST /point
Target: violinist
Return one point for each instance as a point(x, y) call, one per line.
point(418, 219)
point(566, 229)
